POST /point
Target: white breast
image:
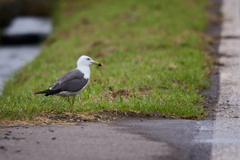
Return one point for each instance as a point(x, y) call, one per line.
point(85, 70)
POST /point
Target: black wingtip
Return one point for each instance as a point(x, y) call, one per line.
point(41, 92)
point(48, 92)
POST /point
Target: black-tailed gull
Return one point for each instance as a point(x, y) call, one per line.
point(73, 82)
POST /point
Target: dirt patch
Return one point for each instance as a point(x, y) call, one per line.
point(123, 92)
point(97, 43)
point(101, 48)
point(85, 21)
point(67, 118)
point(113, 94)
point(144, 88)
point(213, 32)
point(161, 87)
point(218, 63)
point(215, 16)
point(172, 66)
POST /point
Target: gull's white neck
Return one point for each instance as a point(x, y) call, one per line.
point(85, 70)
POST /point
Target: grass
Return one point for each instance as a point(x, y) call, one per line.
point(152, 54)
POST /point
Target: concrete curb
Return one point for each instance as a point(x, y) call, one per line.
point(226, 137)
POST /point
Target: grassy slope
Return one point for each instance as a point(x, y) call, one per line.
point(153, 49)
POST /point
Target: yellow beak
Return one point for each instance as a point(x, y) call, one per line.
point(97, 63)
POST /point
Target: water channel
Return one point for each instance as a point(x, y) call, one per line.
point(20, 44)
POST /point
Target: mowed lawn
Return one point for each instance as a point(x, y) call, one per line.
point(152, 51)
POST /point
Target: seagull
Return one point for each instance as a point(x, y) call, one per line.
point(73, 82)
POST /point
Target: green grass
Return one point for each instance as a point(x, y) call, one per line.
point(141, 43)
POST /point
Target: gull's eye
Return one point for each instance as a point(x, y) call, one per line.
point(88, 59)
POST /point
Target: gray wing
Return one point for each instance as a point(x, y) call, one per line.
point(72, 81)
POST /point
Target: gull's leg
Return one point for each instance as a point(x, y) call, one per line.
point(73, 100)
point(69, 101)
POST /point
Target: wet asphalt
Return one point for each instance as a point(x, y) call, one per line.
point(216, 138)
point(127, 139)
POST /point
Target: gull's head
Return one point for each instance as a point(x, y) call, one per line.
point(86, 61)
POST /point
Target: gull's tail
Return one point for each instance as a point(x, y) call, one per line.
point(48, 92)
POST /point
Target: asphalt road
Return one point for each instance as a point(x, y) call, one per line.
point(128, 139)
point(216, 138)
